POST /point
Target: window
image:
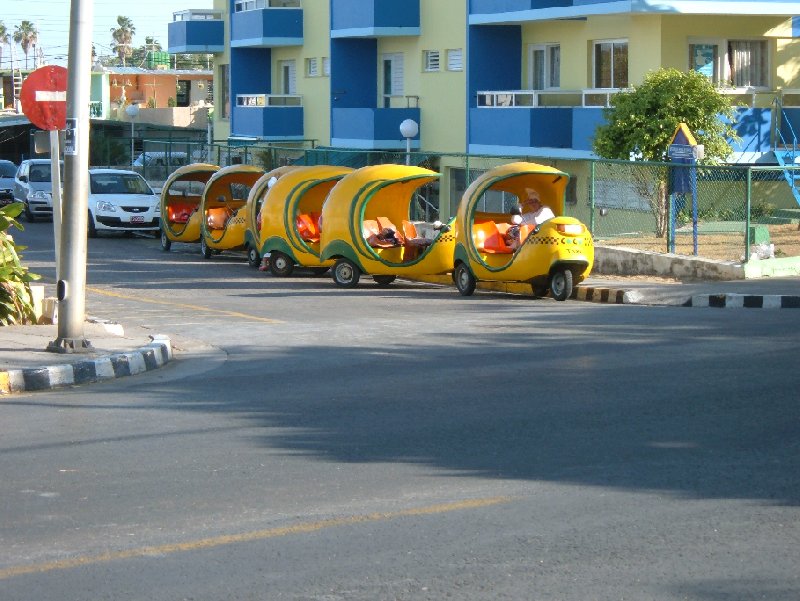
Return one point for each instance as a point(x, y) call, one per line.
point(611, 64)
point(224, 91)
point(740, 63)
point(288, 77)
point(326, 66)
point(430, 60)
point(254, 100)
point(182, 93)
point(392, 78)
point(545, 66)
point(455, 61)
point(747, 63)
point(312, 67)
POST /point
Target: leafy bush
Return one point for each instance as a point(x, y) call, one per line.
point(16, 302)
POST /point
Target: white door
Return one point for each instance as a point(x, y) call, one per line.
point(392, 76)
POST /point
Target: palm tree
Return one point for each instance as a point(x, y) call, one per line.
point(26, 35)
point(123, 36)
point(4, 40)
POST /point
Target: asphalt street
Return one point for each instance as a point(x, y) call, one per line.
point(403, 443)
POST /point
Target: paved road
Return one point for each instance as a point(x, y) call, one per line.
point(404, 443)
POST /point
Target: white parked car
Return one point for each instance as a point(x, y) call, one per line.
point(122, 201)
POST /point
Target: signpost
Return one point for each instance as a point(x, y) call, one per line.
point(683, 150)
point(44, 102)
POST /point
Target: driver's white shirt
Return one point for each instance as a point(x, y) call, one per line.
point(537, 217)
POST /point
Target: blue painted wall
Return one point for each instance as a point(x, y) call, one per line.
point(584, 123)
point(267, 23)
point(354, 73)
point(371, 123)
point(196, 34)
point(521, 127)
point(485, 71)
point(753, 126)
point(269, 122)
point(355, 14)
point(250, 74)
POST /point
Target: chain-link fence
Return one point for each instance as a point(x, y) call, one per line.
point(716, 212)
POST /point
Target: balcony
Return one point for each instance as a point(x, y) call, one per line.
point(266, 24)
point(268, 117)
point(196, 32)
point(374, 18)
point(371, 128)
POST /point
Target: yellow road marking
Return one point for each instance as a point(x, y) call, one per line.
point(218, 541)
point(183, 306)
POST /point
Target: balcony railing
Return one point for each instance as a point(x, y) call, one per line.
point(601, 97)
point(264, 100)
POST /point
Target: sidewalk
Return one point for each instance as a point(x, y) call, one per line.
point(27, 365)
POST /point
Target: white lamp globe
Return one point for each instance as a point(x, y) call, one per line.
point(132, 110)
point(409, 128)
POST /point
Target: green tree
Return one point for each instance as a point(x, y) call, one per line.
point(4, 41)
point(122, 36)
point(644, 119)
point(139, 55)
point(16, 302)
point(26, 35)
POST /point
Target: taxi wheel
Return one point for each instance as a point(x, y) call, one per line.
point(280, 265)
point(384, 280)
point(465, 281)
point(346, 273)
point(204, 250)
point(166, 243)
point(253, 258)
point(561, 284)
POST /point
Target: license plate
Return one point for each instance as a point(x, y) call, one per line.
point(137, 219)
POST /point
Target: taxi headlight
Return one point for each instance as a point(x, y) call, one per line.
point(574, 229)
point(104, 205)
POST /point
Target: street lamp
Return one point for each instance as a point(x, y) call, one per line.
point(132, 110)
point(409, 129)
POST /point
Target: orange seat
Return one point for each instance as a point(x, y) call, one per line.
point(488, 238)
point(307, 227)
point(179, 212)
point(217, 217)
point(409, 229)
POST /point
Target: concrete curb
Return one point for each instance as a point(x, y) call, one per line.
point(744, 301)
point(146, 358)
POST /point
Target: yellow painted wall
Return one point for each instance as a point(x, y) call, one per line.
point(655, 41)
point(442, 94)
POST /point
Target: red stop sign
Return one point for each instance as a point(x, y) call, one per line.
point(44, 97)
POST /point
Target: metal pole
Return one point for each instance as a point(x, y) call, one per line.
point(71, 289)
point(55, 173)
point(132, 134)
point(749, 199)
point(408, 151)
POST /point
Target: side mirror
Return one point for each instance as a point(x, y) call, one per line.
point(23, 178)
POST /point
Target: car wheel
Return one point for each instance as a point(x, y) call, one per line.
point(561, 284)
point(384, 280)
point(91, 229)
point(346, 273)
point(204, 250)
point(253, 258)
point(280, 265)
point(465, 281)
point(166, 243)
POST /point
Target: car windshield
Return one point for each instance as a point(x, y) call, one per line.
point(40, 173)
point(118, 183)
point(7, 169)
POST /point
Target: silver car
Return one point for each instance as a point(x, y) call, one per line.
point(33, 187)
point(7, 172)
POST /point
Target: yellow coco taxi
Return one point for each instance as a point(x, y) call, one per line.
point(181, 197)
point(553, 255)
point(367, 228)
point(290, 218)
point(255, 200)
point(224, 222)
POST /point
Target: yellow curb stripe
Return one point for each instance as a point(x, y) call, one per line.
point(184, 306)
point(218, 541)
point(5, 383)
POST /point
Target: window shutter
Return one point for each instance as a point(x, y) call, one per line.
point(454, 60)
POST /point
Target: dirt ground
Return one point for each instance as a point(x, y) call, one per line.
point(723, 247)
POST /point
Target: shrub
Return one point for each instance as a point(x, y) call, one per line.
point(16, 302)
